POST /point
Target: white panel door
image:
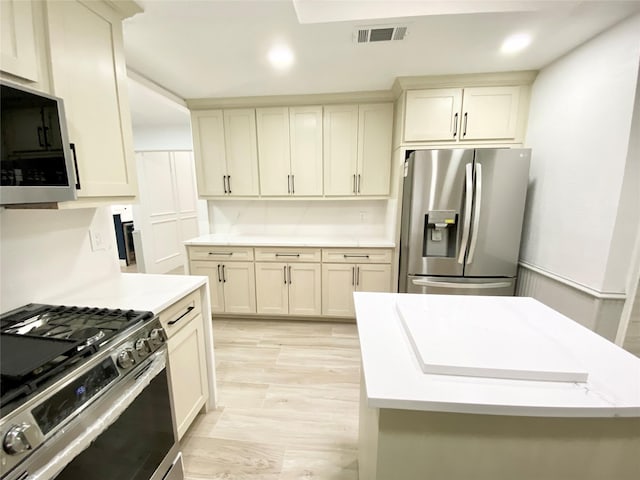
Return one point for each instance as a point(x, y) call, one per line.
point(208, 143)
point(167, 246)
point(338, 285)
point(340, 149)
point(306, 150)
point(490, 113)
point(272, 291)
point(17, 39)
point(188, 373)
point(95, 94)
point(273, 150)
point(373, 278)
point(375, 126)
point(432, 115)
point(304, 289)
point(212, 270)
point(239, 283)
point(241, 151)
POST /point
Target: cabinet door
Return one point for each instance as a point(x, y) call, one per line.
point(273, 150)
point(188, 373)
point(432, 115)
point(241, 151)
point(272, 292)
point(340, 149)
point(375, 126)
point(17, 41)
point(208, 145)
point(306, 150)
point(95, 94)
point(216, 291)
point(338, 285)
point(239, 282)
point(490, 113)
point(373, 278)
point(304, 289)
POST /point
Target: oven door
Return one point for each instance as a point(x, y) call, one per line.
point(128, 434)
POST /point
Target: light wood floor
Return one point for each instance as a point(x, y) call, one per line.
point(288, 404)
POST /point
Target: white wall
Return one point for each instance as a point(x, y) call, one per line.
point(579, 130)
point(48, 252)
point(162, 137)
point(359, 219)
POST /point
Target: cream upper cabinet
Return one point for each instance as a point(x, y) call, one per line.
point(462, 114)
point(490, 113)
point(375, 124)
point(274, 150)
point(95, 94)
point(17, 39)
point(290, 150)
point(305, 134)
point(226, 152)
point(432, 115)
point(357, 146)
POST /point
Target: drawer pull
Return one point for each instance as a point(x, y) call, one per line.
point(355, 256)
point(297, 255)
point(173, 322)
point(221, 253)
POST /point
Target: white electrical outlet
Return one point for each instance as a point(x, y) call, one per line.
point(97, 241)
point(363, 216)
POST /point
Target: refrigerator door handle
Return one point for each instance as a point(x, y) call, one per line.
point(476, 214)
point(435, 283)
point(467, 212)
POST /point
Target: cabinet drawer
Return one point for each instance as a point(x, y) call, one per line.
point(230, 254)
point(179, 314)
point(356, 255)
point(288, 255)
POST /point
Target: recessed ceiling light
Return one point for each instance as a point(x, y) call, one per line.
point(516, 43)
point(281, 56)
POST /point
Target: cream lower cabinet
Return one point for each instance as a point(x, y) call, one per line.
point(183, 323)
point(231, 277)
point(372, 273)
point(288, 281)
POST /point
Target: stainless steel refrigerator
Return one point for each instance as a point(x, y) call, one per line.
point(461, 225)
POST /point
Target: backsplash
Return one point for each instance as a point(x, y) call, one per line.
point(360, 219)
point(44, 253)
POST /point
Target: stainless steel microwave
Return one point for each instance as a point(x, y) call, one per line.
point(36, 159)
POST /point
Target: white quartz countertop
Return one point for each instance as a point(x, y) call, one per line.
point(394, 377)
point(289, 241)
point(135, 291)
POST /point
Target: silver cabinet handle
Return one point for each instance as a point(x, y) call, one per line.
point(224, 183)
point(284, 274)
point(289, 274)
point(219, 277)
point(354, 183)
point(464, 128)
point(289, 184)
point(435, 283)
point(353, 276)
point(358, 183)
point(224, 277)
point(476, 213)
point(466, 226)
point(455, 125)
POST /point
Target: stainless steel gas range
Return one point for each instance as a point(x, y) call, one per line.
point(84, 395)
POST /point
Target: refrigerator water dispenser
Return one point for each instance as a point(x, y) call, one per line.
point(440, 233)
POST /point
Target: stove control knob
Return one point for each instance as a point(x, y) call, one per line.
point(19, 439)
point(142, 347)
point(126, 359)
point(156, 337)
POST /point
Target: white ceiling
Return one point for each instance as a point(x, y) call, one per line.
point(218, 48)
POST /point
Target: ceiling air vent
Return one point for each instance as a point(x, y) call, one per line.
point(380, 33)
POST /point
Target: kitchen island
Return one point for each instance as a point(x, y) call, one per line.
point(417, 425)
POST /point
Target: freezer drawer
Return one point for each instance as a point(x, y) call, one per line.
point(461, 285)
